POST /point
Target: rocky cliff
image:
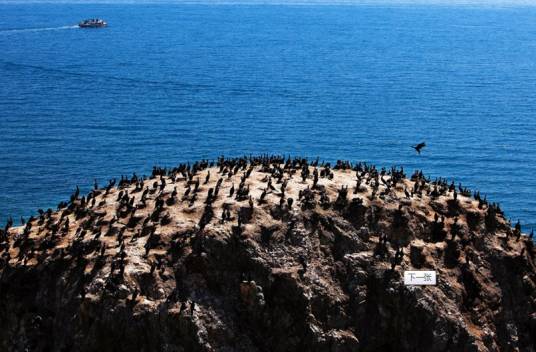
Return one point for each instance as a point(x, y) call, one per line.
point(268, 254)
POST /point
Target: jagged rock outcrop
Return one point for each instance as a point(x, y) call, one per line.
point(268, 254)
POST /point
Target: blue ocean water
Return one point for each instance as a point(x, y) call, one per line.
point(167, 83)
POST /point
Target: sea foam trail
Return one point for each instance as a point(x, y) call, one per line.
point(24, 30)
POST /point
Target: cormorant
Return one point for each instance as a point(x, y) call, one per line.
point(418, 147)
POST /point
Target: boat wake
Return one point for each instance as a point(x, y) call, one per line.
point(42, 29)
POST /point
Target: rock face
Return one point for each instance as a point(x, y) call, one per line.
point(268, 254)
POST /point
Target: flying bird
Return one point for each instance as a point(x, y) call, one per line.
point(419, 146)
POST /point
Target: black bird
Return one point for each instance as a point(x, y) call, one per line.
point(419, 146)
point(187, 191)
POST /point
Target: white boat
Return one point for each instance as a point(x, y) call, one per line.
point(93, 23)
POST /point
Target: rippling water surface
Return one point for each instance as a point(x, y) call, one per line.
point(170, 83)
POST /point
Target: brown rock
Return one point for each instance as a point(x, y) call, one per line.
point(319, 270)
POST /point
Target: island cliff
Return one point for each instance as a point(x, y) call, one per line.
point(268, 254)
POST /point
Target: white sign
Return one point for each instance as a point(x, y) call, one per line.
point(420, 278)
